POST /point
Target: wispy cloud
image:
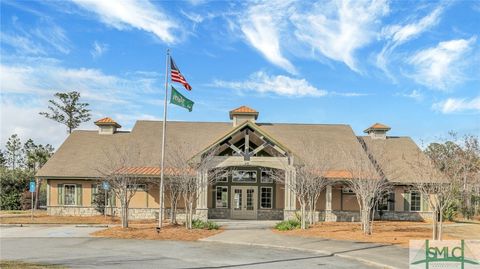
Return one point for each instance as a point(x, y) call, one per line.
point(280, 85)
point(126, 14)
point(43, 39)
point(441, 67)
point(98, 49)
point(398, 34)
point(338, 29)
point(414, 94)
point(455, 105)
point(262, 26)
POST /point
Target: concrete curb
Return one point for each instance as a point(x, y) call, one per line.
point(92, 225)
point(12, 225)
point(322, 252)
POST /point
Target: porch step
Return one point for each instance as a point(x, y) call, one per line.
point(246, 224)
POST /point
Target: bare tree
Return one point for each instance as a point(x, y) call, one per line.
point(124, 174)
point(174, 188)
point(310, 172)
point(187, 173)
point(437, 188)
point(368, 183)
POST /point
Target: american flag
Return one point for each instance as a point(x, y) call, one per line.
point(177, 76)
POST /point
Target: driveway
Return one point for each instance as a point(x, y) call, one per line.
point(65, 245)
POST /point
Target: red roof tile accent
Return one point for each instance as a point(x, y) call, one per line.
point(107, 121)
point(154, 171)
point(377, 126)
point(244, 110)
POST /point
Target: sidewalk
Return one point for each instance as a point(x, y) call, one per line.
point(384, 256)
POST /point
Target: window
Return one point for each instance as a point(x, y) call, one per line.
point(70, 194)
point(415, 201)
point(138, 187)
point(384, 203)
point(266, 194)
point(244, 176)
point(223, 177)
point(222, 197)
point(347, 190)
point(266, 176)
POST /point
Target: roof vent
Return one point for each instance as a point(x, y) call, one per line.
point(242, 114)
point(107, 126)
point(377, 131)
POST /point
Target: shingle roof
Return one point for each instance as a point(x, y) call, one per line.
point(377, 126)
point(398, 158)
point(83, 152)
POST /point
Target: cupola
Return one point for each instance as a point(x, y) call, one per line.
point(377, 131)
point(107, 126)
point(242, 114)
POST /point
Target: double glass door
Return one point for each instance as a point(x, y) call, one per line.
point(244, 202)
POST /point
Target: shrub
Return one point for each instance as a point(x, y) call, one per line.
point(200, 224)
point(287, 225)
point(12, 184)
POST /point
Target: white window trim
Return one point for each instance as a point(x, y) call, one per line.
point(216, 200)
point(248, 182)
point(421, 202)
point(271, 197)
point(65, 194)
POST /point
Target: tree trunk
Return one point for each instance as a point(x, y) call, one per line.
point(303, 225)
point(440, 229)
point(37, 191)
point(434, 227)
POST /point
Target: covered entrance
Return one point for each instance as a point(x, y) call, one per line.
point(244, 202)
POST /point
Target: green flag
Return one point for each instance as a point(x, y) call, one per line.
point(177, 99)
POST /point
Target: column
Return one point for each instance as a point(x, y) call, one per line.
point(328, 204)
point(290, 197)
point(201, 210)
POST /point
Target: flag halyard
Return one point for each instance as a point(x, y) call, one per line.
point(177, 75)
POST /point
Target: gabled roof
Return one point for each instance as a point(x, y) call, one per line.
point(398, 158)
point(244, 110)
point(84, 151)
point(107, 121)
point(377, 126)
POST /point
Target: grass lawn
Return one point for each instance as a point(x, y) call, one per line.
point(388, 232)
point(148, 231)
point(14, 212)
point(26, 265)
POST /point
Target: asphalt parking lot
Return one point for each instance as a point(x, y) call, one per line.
point(69, 246)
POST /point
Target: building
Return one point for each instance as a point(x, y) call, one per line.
point(249, 149)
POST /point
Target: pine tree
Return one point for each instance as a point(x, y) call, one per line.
point(14, 151)
point(67, 110)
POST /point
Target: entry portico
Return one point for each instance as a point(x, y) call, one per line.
point(249, 151)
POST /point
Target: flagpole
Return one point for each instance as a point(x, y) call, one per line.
point(162, 164)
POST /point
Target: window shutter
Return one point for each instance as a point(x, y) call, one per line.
point(391, 201)
point(60, 194)
point(424, 203)
point(406, 201)
point(79, 194)
point(94, 192)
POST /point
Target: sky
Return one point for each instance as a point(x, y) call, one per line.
point(412, 65)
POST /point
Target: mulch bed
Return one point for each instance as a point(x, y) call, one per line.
point(387, 232)
point(148, 231)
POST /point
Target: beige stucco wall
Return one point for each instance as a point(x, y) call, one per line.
point(53, 190)
point(141, 199)
point(350, 202)
point(399, 193)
